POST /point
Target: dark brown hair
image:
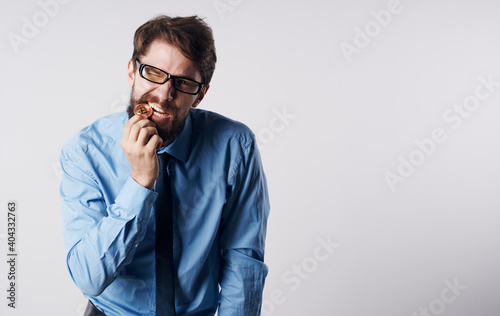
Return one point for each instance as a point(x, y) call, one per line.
point(191, 35)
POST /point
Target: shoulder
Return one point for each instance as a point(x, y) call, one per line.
point(102, 133)
point(207, 124)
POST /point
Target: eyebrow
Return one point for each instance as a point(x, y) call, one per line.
point(179, 76)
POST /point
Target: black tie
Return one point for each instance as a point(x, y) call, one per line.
point(165, 298)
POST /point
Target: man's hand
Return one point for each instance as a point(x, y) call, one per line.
point(140, 141)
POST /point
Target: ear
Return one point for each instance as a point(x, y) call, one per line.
point(130, 73)
point(201, 95)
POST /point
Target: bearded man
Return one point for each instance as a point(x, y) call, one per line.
point(165, 206)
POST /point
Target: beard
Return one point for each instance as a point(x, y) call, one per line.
point(168, 130)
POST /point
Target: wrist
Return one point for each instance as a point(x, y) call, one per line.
point(146, 182)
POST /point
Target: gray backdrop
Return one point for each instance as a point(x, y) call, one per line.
point(377, 122)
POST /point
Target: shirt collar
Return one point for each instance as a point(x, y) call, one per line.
point(180, 146)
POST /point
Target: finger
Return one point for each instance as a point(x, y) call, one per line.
point(145, 134)
point(126, 130)
point(136, 128)
point(154, 143)
point(145, 123)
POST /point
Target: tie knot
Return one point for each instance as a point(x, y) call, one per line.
point(163, 161)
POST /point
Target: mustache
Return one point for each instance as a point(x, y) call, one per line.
point(152, 99)
point(148, 98)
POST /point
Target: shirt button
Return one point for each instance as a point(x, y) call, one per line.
point(150, 205)
point(154, 306)
point(136, 245)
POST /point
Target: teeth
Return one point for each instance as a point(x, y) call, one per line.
point(158, 112)
point(157, 109)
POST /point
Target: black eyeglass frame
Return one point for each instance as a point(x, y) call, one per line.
point(169, 76)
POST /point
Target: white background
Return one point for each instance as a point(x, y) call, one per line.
point(345, 126)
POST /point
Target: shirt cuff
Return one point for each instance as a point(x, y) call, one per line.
point(135, 200)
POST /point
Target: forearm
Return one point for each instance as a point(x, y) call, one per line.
point(102, 243)
point(242, 283)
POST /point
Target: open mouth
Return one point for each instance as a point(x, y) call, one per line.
point(159, 112)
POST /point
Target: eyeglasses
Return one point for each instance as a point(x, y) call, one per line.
point(159, 76)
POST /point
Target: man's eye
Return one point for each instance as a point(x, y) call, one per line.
point(153, 72)
point(185, 83)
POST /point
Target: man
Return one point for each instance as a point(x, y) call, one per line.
point(138, 245)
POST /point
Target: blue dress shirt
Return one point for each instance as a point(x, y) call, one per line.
point(220, 205)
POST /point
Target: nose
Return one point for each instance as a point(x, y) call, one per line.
point(166, 91)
